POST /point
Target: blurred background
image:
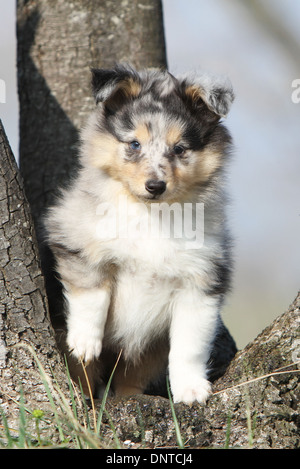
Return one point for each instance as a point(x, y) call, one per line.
point(256, 43)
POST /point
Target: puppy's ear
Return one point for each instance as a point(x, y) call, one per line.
point(215, 93)
point(115, 86)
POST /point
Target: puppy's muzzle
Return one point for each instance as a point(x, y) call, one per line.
point(155, 187)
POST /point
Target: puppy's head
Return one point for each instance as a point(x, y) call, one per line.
point(160, 136)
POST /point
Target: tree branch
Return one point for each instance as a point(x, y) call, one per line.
point(255, 404)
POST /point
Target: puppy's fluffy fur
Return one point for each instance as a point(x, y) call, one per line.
point(152, 139)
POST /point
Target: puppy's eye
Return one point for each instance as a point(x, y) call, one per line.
point(178, 150)
point(135, 145)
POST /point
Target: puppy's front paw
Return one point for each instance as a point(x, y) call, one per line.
point(84, 345)
point(194, 390)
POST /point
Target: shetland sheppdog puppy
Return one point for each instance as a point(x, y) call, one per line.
point(139, 239)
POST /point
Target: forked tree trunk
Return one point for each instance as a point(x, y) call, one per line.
point(57, 43)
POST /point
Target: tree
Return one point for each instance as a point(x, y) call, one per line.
point(53, 70)
point(24, 319)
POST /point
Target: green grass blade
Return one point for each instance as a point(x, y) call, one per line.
point(177, 429)
point(86, 410)
point(9, 438)
point(113, 428)
point(105, 395)
point(45, 379)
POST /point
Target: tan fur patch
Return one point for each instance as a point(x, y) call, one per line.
point(194, 93)
point(103, 151)
point(135, 176)
point(132, 378)
point(125, 90)
point(174, 134)
point(209, 162)
point(105, 154)
point(186, 177)
point(142, 133)
point(131, 87)
point(104, 283)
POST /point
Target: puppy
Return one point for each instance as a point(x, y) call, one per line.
point(139, 238)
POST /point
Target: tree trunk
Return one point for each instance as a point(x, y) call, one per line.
point(24, 320)
point(254, 405)
point(58, 43)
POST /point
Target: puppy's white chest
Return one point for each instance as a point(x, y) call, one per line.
point(141, 309)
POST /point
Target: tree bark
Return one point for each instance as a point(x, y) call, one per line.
point(58, 43)
point(254, 405)
point(24, 320)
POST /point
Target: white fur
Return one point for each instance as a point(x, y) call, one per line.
point(128, 292)
point(194, 321)
point(86, 322)
point(158, 289)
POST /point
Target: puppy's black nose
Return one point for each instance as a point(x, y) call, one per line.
point(155, 187)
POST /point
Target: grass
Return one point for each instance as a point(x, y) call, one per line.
point(73, 431)
point(75, 426)
point(177, 428)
